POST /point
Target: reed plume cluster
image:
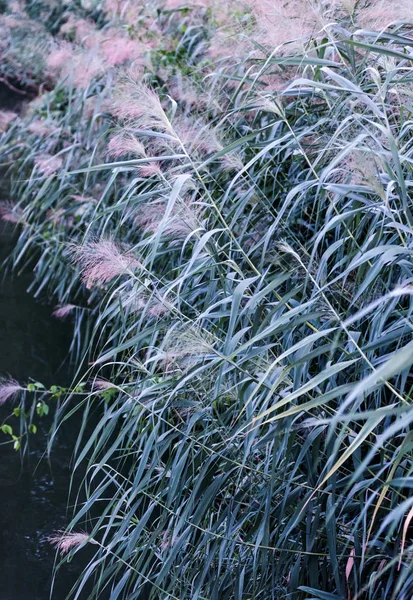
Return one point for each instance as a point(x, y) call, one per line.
point(223, 209)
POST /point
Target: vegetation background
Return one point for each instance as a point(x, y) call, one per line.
point(218, 195)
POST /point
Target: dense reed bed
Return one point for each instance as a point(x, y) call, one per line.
point(219, 196)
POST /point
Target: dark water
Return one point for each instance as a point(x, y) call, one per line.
point(33, 492)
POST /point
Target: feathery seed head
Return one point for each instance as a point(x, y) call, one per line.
point(101, 261)
point(152, 169)
point(186, 346)
point(48, 164)
point(381, 13)
point(42, 128)
point(152, 304)
point(124, 143)
point(10, 212)
point(117, 50)
point(8, 389)
point(6, 117)
point(63, 310)
point(138, 103)
point(183, 91)
point(64, 542)
point(282, 22)
point(102, 384)
point(181, 222)
point(59, 57)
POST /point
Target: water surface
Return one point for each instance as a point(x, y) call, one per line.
point(33, 493)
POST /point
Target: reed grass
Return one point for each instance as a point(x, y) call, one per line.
point(239, 272)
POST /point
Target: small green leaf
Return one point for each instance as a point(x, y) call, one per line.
point(7, 429)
